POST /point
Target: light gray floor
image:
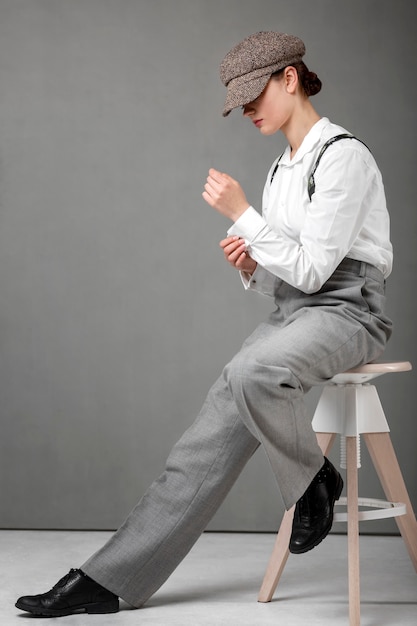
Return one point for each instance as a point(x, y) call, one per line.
point(217, 583)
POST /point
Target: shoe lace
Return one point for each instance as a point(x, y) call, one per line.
point(63, 581)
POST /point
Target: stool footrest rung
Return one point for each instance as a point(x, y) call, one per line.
point(382, 509)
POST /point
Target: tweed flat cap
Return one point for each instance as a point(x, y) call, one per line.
point(247, 68)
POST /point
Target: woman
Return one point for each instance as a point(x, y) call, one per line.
point(321, 249)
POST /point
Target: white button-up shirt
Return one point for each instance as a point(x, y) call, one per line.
point(302, 241)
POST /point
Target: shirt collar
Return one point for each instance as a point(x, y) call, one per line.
point(309, 142)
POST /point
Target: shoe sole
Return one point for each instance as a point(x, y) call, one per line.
point(97, 608)
point(338, 493)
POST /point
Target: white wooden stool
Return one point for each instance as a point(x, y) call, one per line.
point(349, 406)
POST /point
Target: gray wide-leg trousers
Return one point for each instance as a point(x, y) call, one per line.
point(258, 399)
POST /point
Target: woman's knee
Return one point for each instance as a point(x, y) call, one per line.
point(246, 372)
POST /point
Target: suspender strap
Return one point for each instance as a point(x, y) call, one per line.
point(275, 169)
point(311, 186)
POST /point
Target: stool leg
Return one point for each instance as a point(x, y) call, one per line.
point(278, 558)
point(280, 550)
point(386, 464)
point(353, 530)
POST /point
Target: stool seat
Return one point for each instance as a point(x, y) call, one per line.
point(349, 406)
point(364, 373)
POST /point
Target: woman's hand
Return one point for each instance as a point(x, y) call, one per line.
point(235, 253)
point(225, 195)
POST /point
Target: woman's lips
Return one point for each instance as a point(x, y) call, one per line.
point(257, 122)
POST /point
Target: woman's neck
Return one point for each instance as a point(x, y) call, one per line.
point(299, 125)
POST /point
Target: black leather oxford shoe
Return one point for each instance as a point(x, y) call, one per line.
point(313, 516)
point(74, 593)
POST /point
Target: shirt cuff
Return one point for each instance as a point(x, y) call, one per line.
point(261, 281)
point(248, 225)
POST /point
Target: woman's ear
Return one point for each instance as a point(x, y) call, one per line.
point(291, 79)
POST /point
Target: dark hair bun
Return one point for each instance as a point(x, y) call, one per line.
point(311, 83)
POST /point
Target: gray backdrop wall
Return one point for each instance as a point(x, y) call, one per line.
point(117, 311)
